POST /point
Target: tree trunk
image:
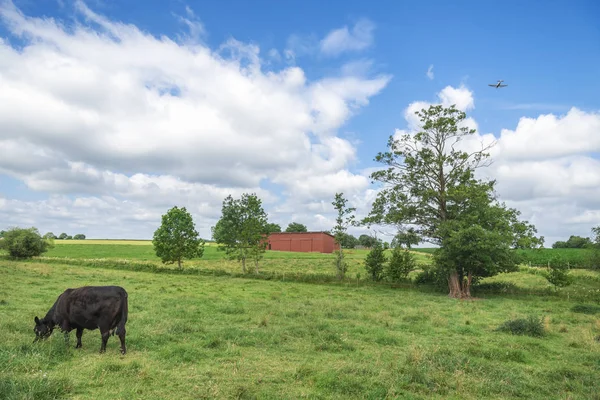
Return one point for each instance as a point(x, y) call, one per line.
point(244, 264)
point(256, 266)
point(179, 263)
point(459, 288)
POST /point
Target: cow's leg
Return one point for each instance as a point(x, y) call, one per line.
point(79, 334)
point(66, 329)
point(121, 333)
point(105, 334)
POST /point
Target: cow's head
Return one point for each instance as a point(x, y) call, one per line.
point(42, 329)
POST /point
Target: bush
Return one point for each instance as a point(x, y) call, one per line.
point(430, 275)
point(375, 261)
point(401, 264)
point(24, 243)
point(558, 273)
point(531, 326)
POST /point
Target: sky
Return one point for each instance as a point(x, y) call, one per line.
point(113, 112)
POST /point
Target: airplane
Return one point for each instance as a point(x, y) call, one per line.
point(498, 85)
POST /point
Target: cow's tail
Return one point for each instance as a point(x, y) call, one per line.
point(124, 312)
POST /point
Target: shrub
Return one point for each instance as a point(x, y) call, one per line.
point(430, 275)
point(558, 273)
point(530, 326)
point(24, 243)
point(375, 261)
point(401, 264)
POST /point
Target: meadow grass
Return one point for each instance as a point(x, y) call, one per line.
point(222, 337)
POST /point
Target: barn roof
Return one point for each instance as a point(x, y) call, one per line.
point(299, 233)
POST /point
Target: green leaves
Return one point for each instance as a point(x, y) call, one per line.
point(177, 237)
point(344, 219)
point(24, 243)
point(242, 228)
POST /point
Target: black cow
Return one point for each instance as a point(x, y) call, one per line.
point(87, 307)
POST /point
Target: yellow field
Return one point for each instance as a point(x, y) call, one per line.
point(110, 241)
point(105, 241)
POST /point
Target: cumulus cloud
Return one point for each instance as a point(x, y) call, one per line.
point(344, 39)
point(101, 108)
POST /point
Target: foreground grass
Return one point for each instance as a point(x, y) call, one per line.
point(219, 337)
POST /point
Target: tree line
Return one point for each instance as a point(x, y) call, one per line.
point(429, 193)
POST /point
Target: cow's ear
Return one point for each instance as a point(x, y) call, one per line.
point(37, 320)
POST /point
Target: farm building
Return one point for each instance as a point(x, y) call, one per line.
point(319, 242)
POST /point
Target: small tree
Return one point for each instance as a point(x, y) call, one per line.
point(595, 254)
point(50, 235)
point(296, 227)
point(241, 231)
point(177, 238)
point(343, 220)
point(558, 272)
point(375, 261)
point(79, 236)
point(69, 237)
point(401, 264)
point(63, 236)
point(24, 243)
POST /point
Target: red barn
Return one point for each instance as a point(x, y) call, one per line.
point(319, 242)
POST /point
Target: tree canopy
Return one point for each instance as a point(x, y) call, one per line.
point(177, 238)
point(242, 228)
point(574, 242)
point(24, 242)
point(429, 185)
point(296, 227)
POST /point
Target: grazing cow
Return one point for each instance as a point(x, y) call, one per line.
point(87, 307)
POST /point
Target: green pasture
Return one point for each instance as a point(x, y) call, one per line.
point(193, 337)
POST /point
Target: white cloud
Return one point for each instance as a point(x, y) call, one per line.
point(429, 73)
point(343, 39)
point(106, 115)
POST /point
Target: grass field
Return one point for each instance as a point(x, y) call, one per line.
point(222, 337)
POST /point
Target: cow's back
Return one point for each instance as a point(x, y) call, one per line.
point(91, 307)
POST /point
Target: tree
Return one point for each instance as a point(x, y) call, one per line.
point(344, 219)
point(24, 243)
point(595, 256)
point(296, 227)
point(367, 241)
point(574, 242)
point(429, 184)
point(406, 238)
point(242, 228)
point(50, 235)
point(79, 236)
point(177, 238)
point(374, 262)
point(272, 228)
point(349, 241)
point(63, 236)
point(2, 234)
point(69, 237)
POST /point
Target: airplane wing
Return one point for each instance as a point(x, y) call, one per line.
point(492, 85)
point(503, 85)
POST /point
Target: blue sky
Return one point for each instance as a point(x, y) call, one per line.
point(548, 53)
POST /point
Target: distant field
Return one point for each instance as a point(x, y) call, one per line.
point(111, 241)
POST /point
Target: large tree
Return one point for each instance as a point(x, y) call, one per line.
point(242, 228)
point(296, 227)
point(177, 238)
point(429, 185)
